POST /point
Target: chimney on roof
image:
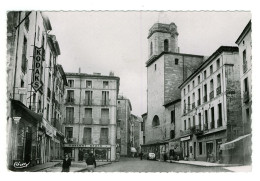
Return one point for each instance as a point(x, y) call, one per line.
point(111, 73)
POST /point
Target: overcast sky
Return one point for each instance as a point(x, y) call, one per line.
point(117, 41)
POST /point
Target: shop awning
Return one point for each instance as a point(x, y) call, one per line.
point(133, 149)
point(231, 144)
point(20, 107)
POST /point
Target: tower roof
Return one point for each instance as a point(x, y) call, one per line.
point(163, 28)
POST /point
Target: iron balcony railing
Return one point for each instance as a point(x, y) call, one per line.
point(198, 102)
point(105, 102)
point(88, 102)
point(104, 121)
point(218, 90)
point(205, 98)
point(246, 96)
point(211, 95)
point(193, 105)
point(185, 132)
point(69, 120)
point(87, 120)
point(70, 100)
point(244, 66)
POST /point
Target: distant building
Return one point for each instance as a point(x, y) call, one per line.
point(167, 68)
point(136, 137)
point(124, 109)
point(91, 114)
point(211, 108)
point(144, 117)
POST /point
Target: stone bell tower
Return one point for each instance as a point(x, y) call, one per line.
point(162, 38)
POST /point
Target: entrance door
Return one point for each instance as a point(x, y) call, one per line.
point(195, 150)
point(28, 145)
point(209, 149)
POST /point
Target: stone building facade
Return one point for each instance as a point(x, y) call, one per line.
point(136, 137)
point(166, 70)
point(124, 109)
point(29, 46)
point(211, 107)
point(90, 109)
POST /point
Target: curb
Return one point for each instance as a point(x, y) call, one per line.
point(46, 167)
point(220, 165)
point(83, 169)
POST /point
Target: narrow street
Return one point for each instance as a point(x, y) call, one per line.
point(137, 165)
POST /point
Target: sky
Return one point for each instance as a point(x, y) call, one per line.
point(117, 41)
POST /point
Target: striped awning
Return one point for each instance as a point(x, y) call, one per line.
point(232, 144)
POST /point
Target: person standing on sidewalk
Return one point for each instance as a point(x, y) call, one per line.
point(91, 162)
point(141, 155)
point(66, 164)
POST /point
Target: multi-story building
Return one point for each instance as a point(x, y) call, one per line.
point(90, 116)
point(144, 117)
point(211, 107)
point(29, 47)
point(136, 137)
point(124, 109)
point(166, 70)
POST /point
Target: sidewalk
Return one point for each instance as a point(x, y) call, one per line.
point(40, 167)
point(203, 164)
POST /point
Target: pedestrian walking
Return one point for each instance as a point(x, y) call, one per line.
point(141, 156)
point(66, 164)
point(91, 163)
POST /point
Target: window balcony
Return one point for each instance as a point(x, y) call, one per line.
point(218, 90)
point(198, 102)
point(244, 66)
point(87, 141)
point(205, 98)
point(88, 102)
point(246, 97)
point(104, 121)
point(186, 132)
point(69, 120)
point(193, 105)
point(211, 95)
point(105, 102)
point(87, 120)
point(70, 100)
point(196, 129)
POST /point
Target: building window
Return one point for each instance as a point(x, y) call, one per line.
point(218, 63)
point(142, 126)
point(88, 98)
point(244, 62)
point(184, 91)
point(205, 93)
point(193, 84)
point(219, 115)
point(184, 106)
point(212, 118)
point(87, 136)
point(188, 88)
point(206, 120)
point(200, 121)
point(27, 20)
point(105, 84)
point(193, 121)
point(200, 148)
point(198, 79)
point(88, 116)
point(70, 96)
point(151, 48)
point(205, 74)
point(176, 61)
point(104, 116)
point(247, 115)
point(185, 126)
point(218, 84)
point(172, 134)
point(69, 132)
point(246, 85)
point(48, 112)
point(154, 66)
point(104, 136)
point(211, 69)
point(38, 33)
point(88, 84)
point(173, 117)
point(69, 114)
point(166, 45)
point(71, 83)
point(105, 98)
point(156, 121)
point(193, 100)
point(189, 103)
point(189, 123)
point(211, 89)
point(24, 59)
point(199, 98)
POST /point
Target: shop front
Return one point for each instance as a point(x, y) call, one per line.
point(158, 148)
point(79, 152)
point(185, 145)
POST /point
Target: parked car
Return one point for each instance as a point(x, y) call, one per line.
point(151, 156)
